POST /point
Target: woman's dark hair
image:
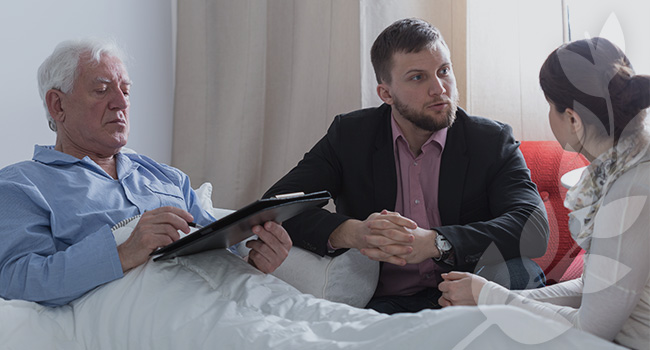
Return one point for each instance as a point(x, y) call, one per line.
point(406, 35)
point(595, 78)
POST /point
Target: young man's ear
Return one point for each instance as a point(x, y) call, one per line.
point(383, 91)
point(53, 100)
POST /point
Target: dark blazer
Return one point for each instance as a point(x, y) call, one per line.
point(485, 191)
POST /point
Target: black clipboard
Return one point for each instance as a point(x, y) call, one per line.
point(236, 227)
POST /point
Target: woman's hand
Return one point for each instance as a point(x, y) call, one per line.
point(460, 288)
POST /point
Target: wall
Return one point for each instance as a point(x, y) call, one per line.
point(629, 28)
point(508, 40)
point(29, 31)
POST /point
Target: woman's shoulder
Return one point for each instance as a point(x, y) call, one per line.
point(631, 191)
point(636, 178)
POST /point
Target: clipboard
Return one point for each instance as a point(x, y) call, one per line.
point(236, 227)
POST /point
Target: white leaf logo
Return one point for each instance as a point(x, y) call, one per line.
point(613, 31)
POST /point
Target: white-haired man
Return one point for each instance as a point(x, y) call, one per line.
point(59, 208)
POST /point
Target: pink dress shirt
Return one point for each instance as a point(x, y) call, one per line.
point(417, 199)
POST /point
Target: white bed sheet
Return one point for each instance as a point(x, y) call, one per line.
point(216, 300)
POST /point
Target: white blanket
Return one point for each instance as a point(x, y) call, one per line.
point(216, 300)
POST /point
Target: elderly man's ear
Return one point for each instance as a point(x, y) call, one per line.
point(54, 98)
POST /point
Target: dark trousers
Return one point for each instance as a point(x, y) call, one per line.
point(519, 273)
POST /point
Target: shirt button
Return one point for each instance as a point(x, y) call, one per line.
point(415, 163)
point(417, 201)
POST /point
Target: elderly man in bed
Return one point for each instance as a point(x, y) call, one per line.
point(58, 209)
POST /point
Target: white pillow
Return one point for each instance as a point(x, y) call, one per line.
point(204, 192)
point(349, 278)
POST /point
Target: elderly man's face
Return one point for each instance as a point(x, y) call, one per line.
point(96, 111)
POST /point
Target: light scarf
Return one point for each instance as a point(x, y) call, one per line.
point(586, 197)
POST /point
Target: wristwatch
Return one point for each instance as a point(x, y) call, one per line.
point(443, 246)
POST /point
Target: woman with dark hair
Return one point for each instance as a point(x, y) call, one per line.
point(597, 108)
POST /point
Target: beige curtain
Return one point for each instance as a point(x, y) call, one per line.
point(257, 84)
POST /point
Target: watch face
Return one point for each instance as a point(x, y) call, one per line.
point(442, 243)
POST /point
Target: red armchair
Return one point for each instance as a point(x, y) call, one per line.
point(547, 162)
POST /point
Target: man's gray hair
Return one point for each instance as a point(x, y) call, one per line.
point(60, 69)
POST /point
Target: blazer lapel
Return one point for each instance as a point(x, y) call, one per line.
point(453, 168)
point(383, 166)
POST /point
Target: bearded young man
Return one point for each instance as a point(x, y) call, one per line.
point(420, 185)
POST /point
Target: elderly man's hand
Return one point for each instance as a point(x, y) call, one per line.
point(271, 248)
point(156, 228)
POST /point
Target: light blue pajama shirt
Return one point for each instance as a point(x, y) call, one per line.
point(56, 217)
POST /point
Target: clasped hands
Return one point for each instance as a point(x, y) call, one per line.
point(159, 227)
point(392, 238)
point(388, 237)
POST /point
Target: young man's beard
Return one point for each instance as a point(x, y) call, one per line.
point(426, 122)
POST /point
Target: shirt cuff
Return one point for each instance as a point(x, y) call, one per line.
point(330, 248)
point(451, 258)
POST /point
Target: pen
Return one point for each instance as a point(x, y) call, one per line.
point(194, 224)
point(289, 195)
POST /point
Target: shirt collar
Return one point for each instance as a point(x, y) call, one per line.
point(48, 155)
point(439, 137)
